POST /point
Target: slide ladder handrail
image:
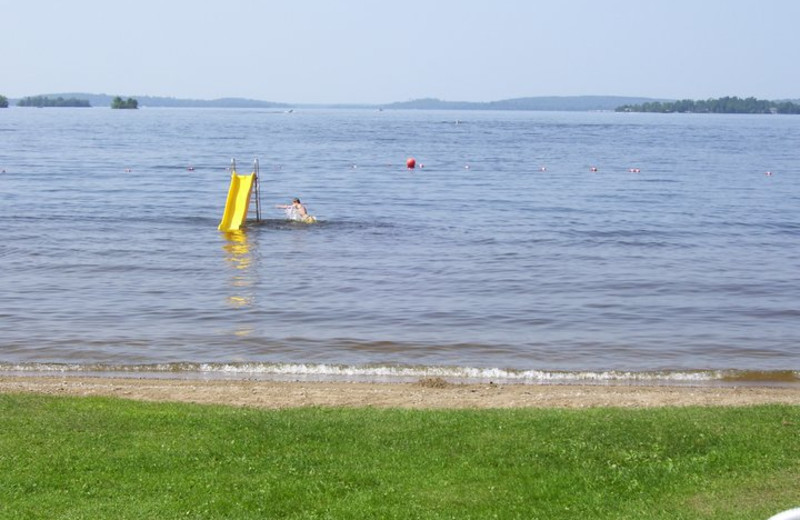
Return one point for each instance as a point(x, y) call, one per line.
point(257, 172)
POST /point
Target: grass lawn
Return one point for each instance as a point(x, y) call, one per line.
point(102, 458)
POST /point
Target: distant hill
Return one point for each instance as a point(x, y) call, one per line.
point(104, 100)
point(556, 103)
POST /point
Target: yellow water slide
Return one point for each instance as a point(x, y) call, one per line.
point(238, 201)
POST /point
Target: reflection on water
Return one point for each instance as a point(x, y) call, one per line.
point(239, 256)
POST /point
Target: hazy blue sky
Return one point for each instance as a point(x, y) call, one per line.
point(375, 51)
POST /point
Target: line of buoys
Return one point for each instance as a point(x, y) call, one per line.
point(411, 163)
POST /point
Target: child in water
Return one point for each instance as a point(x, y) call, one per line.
point(296, 211)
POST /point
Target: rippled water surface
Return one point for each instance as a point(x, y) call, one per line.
point(504, 253)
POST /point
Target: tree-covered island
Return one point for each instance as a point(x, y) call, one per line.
point(119, 103)
point(44, 101)
point(3, 102)
point(723, 105)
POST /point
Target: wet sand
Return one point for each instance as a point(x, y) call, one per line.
point(429, 393)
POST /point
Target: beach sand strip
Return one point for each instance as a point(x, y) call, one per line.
point(423, 394)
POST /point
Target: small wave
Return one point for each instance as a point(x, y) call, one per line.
point(401, 373)
point(287, 224)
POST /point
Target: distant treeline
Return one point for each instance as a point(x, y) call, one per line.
point(724, 105)
point(3, 102)
point(44, 101)
point(129, 103)
point(104, 100)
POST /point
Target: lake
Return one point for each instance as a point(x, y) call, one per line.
point(525, 246)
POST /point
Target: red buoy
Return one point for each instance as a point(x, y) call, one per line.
point(411, 163)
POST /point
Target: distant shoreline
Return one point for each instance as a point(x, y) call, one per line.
point(542, 103)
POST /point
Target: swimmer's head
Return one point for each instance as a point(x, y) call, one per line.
point(296, 200)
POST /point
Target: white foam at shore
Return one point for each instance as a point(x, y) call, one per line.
point(382, 373)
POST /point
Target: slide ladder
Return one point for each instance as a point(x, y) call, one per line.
point(240, 195)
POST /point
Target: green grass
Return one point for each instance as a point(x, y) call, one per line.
point(92, 458)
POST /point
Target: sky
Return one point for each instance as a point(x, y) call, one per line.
point(377, 51)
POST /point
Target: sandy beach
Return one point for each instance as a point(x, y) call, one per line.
point(427, 393)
